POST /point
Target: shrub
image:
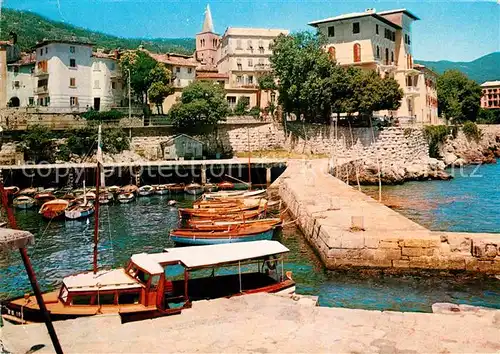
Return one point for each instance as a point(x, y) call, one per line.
point(38, 144)
point(435, 136)
point(242, 105)
point(103, 116)
point(472, 131)
point(114, 141)
point(254, 111)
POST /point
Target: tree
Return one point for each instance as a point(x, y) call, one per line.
point(459, 97)
point(242, 105)
point(39, 144)
point(157, 93)
point(144, 72)
point(202, 106)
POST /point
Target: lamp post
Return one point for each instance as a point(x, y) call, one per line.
point(129, 99)
point(11, 239)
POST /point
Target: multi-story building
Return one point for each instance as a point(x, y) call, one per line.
point(426, 103)
point(236, 59)
point(378, 41)
point(491, 95)
point(71, 77)
point(183, 68)
point(21, 81)
point(8, 54)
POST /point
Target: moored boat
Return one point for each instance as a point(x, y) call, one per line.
point(161, 189)
point(125, 198)
point(143, 291)
point(24, 202)
point(194, 189)
point(30, 192)
point(130, 188)
point(44, 197)
point(106, 197)
point(207, 224)
point(176, 188)
point(12, 191)
point(239, 233)
point(249, 204)
point(225, 185)
point(114, 189)
point(235, 194)
point(54, 209)
point(145, 191)
point(78, 210)
point(209, 187)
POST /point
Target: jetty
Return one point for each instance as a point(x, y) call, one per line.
point(264, 323)
point(350, 229)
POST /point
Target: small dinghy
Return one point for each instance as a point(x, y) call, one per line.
point(125, 198)
point(11, 191)
point(114, 190)
point(194, 189)
point(44, 197)
point(79, 210)
point(129, 189)
point(54, 210)
point(235, 194)
point(145, 191)
point(24, 202)
point(176, 188)
point(105, 197)
point(209, 187)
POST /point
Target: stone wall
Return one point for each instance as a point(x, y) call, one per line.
point(349, 229)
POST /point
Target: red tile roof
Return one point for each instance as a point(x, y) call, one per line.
point(103, 55)
point(175, 59)
point(211, 75)
point(26, 59)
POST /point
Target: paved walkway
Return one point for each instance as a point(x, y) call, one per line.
point(265, 323)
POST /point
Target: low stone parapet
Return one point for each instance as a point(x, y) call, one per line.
point(349, 229)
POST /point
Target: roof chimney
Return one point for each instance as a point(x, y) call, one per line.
point(370, 10)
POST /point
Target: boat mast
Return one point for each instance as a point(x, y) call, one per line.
point(96, 207)
point(249, 163)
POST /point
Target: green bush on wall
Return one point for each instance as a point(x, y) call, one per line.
point(472, 131)
point(435, 136)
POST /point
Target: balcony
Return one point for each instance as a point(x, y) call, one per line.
point(412, 91)
point(262, 67)
point(387, 66)
point(115, 74)
point(41, 90)
point(235, 84)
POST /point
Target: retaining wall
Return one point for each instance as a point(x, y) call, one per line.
point(349, 229)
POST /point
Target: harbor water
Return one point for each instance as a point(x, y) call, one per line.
point(65, 247)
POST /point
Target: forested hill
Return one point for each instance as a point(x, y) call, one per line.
point(31, 28)
point(486, 68)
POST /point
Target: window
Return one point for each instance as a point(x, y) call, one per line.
point(113, 85)
point(106, 299)
point(46, 50)
point(261, 63)
point(355, 27)
point(72, 82)
point(72, 49)
point(261, 43)
point(96, 84)
point(238, 79)
point(190, 70)
point(72, 63)
point(406, 38)
point(331, 31)
point(250, 62)
point(128, 298)
point(409, 41)
point(250, 79)
point(392, 57)
point(231, 100)
point(73, 101)
point(31, 101)
point(378, 52)
point(249, 44)
point(386, 56)
point(357, 52)
point(238, 63)
point(177, 69)
point(15, 69)
point(238, 44)
point(81, 300)
point(376, 29)
point(41, 51)
point(16, 84)
point(331, 52)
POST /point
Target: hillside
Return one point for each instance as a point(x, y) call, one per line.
point(486, 68)
point(31, 28)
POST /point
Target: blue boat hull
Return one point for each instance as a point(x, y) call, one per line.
point(190, 240)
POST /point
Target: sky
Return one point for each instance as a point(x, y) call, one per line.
point(448, 30)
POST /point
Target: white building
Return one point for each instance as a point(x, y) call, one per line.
point(20, 83)
point(71, 77)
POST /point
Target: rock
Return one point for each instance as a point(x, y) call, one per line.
point(459, 162)
point(449, 158)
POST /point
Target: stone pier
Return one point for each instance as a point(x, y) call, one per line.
point(349, 229)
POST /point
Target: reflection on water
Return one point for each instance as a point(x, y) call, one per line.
point(63, 248)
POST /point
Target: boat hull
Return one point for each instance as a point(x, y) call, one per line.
point(75, 214)
point(208, 240)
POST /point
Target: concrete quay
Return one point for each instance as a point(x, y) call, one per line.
point(264, 323)
point(349, 229)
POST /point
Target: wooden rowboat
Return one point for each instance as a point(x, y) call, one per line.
point(242, 233)
point(79, 210)
point(209, 212)
point(242, 215)
point(125, 198)
point(44, 197)
point(202, 224)
point(54, 210)
point(130, 189)
point(161, 189)
point(12, 190)
point(194, 189)
point(235, 194)
point(176, 188)
point(145, 191)
point(227, 203)
point(224, 185)
point(30, 192)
